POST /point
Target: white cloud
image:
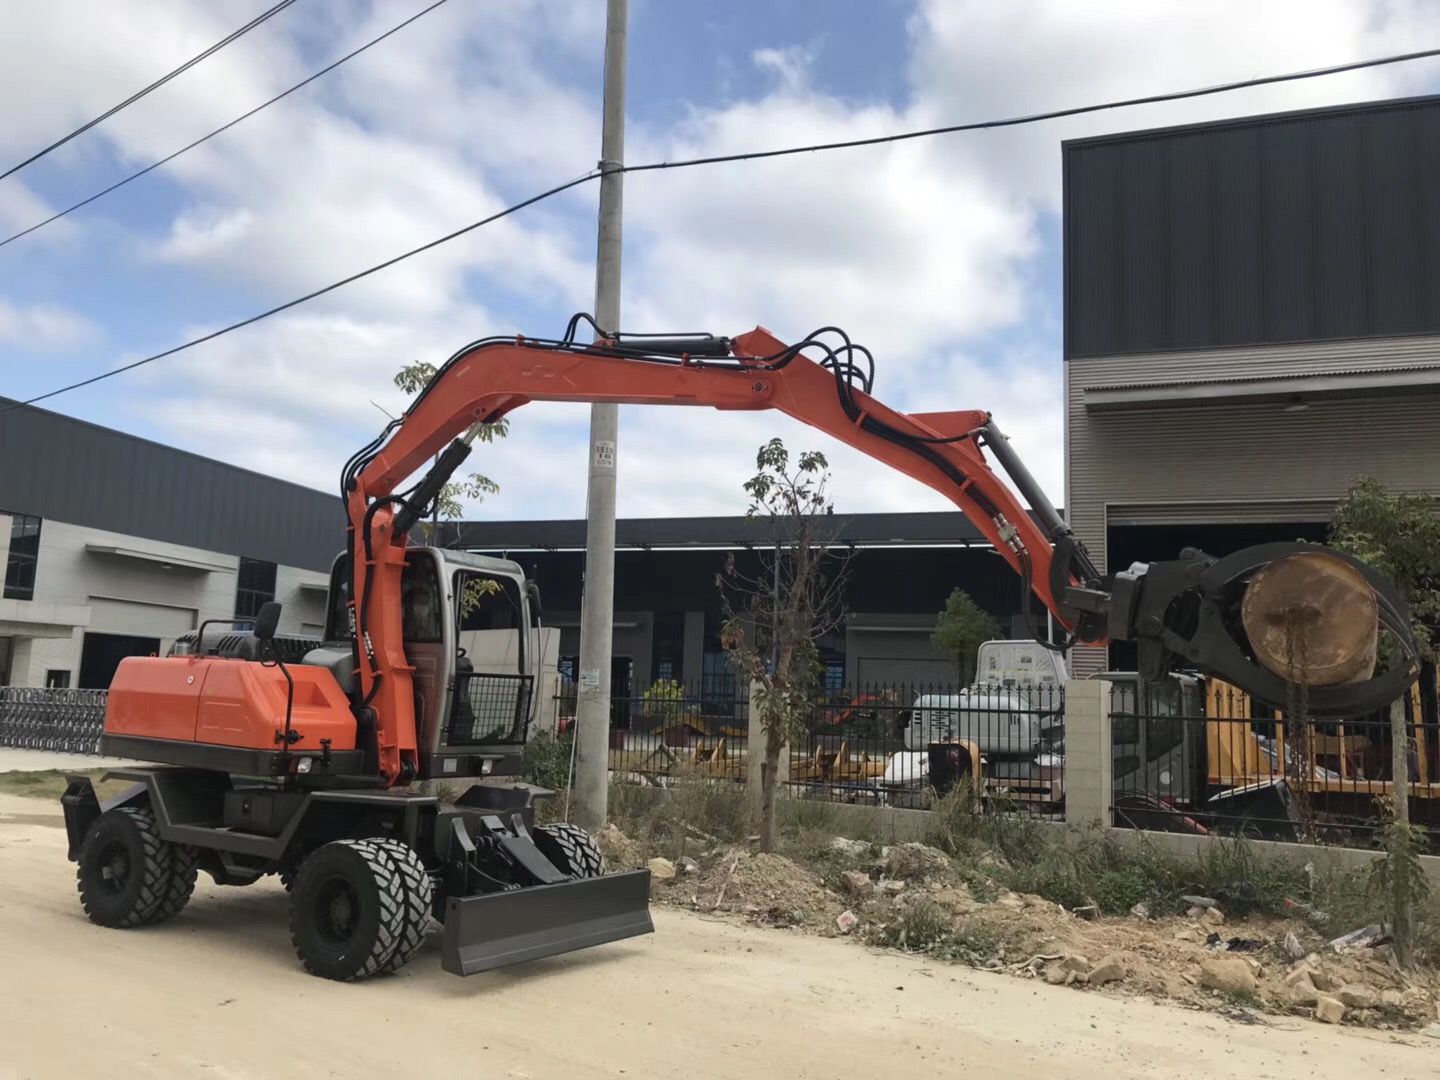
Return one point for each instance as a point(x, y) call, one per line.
point(43, 327)
point(923, 250)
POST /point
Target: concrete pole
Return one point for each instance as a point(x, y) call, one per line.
point(597, 605)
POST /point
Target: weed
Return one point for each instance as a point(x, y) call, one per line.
point(547, 760)
point(50, 783)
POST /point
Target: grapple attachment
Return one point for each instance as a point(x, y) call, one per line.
point(492, 930)
point(1263, 619)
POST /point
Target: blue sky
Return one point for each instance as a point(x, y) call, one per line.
point(943, 256)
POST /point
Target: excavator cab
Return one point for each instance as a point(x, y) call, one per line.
point(471, 627)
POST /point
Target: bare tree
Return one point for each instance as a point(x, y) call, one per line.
point(775, 620)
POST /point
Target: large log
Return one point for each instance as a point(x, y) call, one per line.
point(1312, 618)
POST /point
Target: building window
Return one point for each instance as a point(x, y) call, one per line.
point(255, 589)
point(24, 551)
point(717, 680)
point(55, 679)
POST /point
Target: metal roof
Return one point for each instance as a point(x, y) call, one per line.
point(58, 467)
point(70, 470)
point(860, 530)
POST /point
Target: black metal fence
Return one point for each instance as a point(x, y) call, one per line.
point(884, 745)
point(58, 720)
point(1202, 757)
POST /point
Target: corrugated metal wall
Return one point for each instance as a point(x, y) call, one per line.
point(1298, 227)
point(68, 470)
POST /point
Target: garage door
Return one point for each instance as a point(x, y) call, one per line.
point(145, 620)
point(896, 671)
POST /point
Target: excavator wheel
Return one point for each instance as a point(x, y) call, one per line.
point(181, 884)
point(347, 910)
point(419, 899)
point(571, 849)
point(125, 870)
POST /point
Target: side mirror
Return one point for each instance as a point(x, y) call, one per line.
point(267, 621)
point(536, 608)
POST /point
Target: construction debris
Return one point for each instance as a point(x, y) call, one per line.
point(913, 862)
point(1358, 997)
point(1363, 938)
point(661, 869)
point(850, 849)
point(1201, 902)
point(1228, 974)
point(1111, 969)
point(856, 883)
point(957, 915)
point(1329, 1011)
point(1141, 910)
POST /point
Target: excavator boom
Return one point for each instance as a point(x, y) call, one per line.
point(1178, 612)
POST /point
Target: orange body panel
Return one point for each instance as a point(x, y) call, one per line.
point(154, 697)
point(226, 703)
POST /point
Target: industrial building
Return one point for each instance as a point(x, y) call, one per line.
point(113, 546)
point(1252, 321)
point(899, 568)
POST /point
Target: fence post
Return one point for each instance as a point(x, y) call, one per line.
point(1089, 761)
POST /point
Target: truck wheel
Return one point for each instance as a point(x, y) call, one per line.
point(571, 849)
point(347, 910)
point(125, 868)
point(419, 897)
point(181, 886)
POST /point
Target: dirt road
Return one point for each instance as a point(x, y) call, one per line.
point(217, 993)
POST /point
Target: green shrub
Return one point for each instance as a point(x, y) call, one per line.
point(547, 759)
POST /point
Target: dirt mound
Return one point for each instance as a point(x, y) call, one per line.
point(768, 888)
point(621, 853)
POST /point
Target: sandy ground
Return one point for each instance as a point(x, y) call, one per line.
point(218, 993)
point(12, 759)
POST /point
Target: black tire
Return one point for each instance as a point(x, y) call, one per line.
point(571, 849)
point(419, 899)
point(125, 869)
point(180, 887)
point(347, 910)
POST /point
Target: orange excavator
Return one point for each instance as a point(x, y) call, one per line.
point(302, 762)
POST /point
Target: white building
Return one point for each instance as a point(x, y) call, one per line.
point(113, 546)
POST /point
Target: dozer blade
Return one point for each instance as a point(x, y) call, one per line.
point(493, 930)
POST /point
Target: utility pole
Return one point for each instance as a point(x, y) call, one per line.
point(597, 604)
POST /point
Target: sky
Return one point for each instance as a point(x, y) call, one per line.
point(941, 255)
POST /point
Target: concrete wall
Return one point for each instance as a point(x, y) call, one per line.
point(120, 594)
point(1245, 461)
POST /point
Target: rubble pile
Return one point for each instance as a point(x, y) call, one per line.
point(913, 896)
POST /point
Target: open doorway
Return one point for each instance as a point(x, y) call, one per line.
point(101, 654)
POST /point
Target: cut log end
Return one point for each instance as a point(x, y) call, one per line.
point(1312, 618)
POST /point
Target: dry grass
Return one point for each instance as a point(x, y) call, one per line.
point(50, 783)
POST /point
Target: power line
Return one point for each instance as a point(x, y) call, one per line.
point(714, 160)
point(313, 295)
point(1033, 118)
point(226, 127)
point(281, 6)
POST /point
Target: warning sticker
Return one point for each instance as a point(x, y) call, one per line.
point(590, 679)
point(604, 455)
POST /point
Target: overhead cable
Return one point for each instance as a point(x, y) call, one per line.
point(234, 35)
point(750, 156)
point(225, 127)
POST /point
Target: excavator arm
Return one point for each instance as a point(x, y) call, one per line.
point(1179, 612)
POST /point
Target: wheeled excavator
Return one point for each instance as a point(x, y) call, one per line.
point(275, 760)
